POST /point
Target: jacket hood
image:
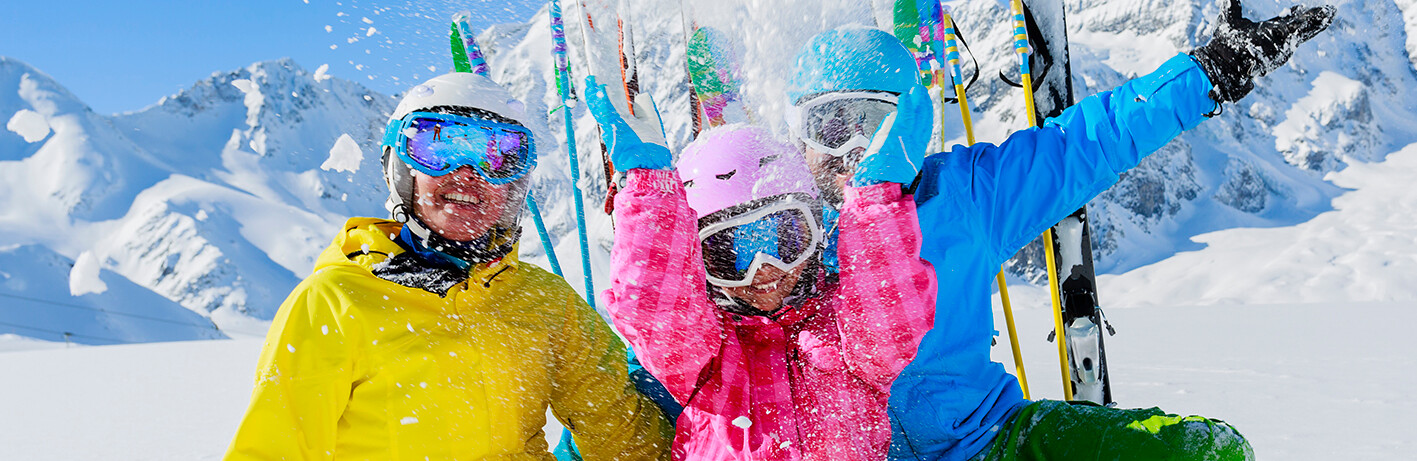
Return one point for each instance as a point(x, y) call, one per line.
point(360, 237)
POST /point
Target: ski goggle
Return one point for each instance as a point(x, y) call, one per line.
point(784, 234)
point(837, 123)
point(436, 144)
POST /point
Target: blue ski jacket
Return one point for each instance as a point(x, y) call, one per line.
point(978, 205)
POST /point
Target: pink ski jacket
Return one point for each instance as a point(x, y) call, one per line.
point(815, 382)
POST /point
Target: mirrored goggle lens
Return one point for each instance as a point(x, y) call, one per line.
point(443, 146)
point(785, 235)
point(833, 123)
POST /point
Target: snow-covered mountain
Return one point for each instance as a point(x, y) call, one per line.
point(212, 198)
point(216, 198)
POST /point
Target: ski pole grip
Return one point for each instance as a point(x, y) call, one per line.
point(1021, 36)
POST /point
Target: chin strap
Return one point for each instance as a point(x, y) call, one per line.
point(418, 238)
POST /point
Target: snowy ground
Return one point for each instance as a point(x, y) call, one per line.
point(1304, 382)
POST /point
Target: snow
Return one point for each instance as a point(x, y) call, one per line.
point(1362, 251)
point(83, 278)
point(12, 342)
point(1312, 381)
point(35, 302)
point(173, 401)
point(1307, 124)
point(320, 73)
point(1301, 381)
point(244, 85)
point(344, 156)
point(29, 125)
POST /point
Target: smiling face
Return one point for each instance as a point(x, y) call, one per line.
point(460, 205)
point(770, 287)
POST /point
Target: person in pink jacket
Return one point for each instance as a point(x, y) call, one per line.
point(718, 284)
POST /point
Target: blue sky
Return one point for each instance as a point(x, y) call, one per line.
point(120, 56)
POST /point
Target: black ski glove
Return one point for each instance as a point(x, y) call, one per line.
point(1241, 50)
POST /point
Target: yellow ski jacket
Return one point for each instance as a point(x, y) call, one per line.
point(359, 368)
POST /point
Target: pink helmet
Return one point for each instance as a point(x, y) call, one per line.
point(738, 164)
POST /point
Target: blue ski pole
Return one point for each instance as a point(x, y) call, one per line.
point(563, 84)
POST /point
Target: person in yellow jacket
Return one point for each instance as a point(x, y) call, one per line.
point(424, 337)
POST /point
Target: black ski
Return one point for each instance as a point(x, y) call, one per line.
point(1082, 318)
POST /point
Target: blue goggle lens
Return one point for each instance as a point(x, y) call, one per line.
point(785, 235)
point(500, 153)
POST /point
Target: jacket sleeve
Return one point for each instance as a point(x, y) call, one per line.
point(594, 397)
point(1038, 176)
point(888, 291)
point(304, 378)
point(657, 295)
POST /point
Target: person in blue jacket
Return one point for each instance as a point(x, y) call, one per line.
point(979, 204)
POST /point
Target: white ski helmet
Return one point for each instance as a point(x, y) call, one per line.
point(458, 93)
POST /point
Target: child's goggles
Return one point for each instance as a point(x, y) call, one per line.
point(436, 144)
point(836, 123)
point(784, 234)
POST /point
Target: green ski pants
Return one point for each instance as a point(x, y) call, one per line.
point(1053, 430)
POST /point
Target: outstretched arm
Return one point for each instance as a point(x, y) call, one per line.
point(1038, 176)
point(657, 293)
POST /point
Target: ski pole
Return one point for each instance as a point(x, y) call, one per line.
point(956, 74)
point(551, 251)
point(587, 55)
point(467, 57)
point(946, 28)
point(563, 76)
point(629, 70)
point(1021, 46)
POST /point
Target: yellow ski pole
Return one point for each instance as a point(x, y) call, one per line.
point(957, 75)
point(1022, 47)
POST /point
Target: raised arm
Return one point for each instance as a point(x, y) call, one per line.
point(1038, 176)
point(657, 293)
point(888, 291)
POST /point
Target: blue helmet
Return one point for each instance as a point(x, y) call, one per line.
point(852, 59)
